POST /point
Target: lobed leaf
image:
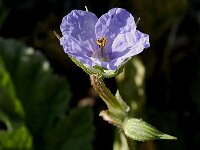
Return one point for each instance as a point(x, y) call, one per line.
point(45, 98)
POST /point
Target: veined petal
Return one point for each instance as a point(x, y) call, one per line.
point(81, 26)
point(142, 38)
point(116, 21)
point(142, 42)
point(127, 45)
point(122, 44)
point(78, 51)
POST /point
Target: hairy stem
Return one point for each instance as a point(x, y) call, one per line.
point(115, 109)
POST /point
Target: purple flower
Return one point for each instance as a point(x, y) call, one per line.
point(106, 42)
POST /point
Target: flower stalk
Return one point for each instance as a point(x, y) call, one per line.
point(117, 110)
point(117, 114)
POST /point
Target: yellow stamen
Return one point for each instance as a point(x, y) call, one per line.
point(102, 42)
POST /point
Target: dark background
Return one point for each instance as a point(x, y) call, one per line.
point(172, 79)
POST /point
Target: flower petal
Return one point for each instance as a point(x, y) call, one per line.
point(78, 51)
point(116, 21)
point(142, 41)
point(127, 45)
point(81, 26)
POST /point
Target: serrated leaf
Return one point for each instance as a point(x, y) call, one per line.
point(139, 130)
point(45, 97)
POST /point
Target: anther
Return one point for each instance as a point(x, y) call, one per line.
point(102, 41)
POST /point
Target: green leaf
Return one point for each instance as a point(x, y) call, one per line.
point(17, 139)
point(139, 130)
point(9, 103)
point(45, 97)
point(75, 131)
point(14, 135)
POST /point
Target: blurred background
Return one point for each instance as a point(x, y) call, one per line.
point(47, 103)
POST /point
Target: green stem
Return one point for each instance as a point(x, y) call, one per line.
point(117, 110)
point(114, 107)
point(103, 92)
point(130, 142)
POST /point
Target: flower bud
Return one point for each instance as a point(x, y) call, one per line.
point(139, 130)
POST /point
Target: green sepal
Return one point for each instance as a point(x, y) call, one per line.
point(114, 73)
point(139, 130)
point(100, 69)
point(109, 117)
point(57, 35)
point(123, 104)
point(105, 72)
point(80, 65)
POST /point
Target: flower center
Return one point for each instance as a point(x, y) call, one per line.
point(102, 42)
